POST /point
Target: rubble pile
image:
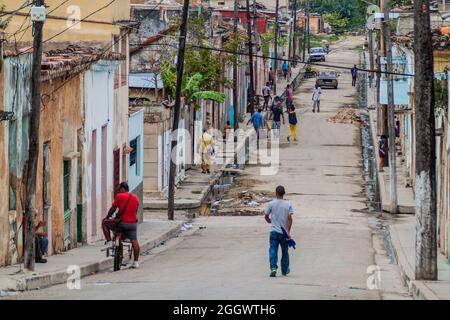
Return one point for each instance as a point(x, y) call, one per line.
point(245, 203)
point(346, 116)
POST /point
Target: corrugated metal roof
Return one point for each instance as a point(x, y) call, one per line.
point(145, 80)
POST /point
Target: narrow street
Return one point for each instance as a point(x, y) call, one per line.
point(228, 257)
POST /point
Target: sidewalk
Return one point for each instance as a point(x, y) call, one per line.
point(89, 258)
point(403, 233)
point(405, 195)
point(402, 228)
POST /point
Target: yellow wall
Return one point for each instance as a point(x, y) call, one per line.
point(99, 30)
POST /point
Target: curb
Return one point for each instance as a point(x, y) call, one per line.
point(50, 279)
point(417, 289)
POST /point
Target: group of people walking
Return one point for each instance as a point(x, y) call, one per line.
point(274, 116)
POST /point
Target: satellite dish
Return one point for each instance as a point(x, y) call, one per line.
point(372, 9)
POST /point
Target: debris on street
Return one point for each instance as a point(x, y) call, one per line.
point(346, 116)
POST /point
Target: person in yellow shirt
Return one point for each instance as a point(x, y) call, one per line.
point(206, 150)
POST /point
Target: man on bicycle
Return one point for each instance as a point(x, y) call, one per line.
point(126, 219)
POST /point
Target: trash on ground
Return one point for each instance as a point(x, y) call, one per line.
point(346, 116)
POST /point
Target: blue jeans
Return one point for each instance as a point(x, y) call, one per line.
point(278, 239)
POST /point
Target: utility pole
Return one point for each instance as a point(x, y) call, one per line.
point(235, 80)
point(306, 42)
point(294, 42)
point(425, 185)
point(391, 112)
point(277, 5)
point(371, 57)
point(250, 61)
point(309, 26)
point(383, 122)
point(176, 113)
point(255, 31)
point(33, 150)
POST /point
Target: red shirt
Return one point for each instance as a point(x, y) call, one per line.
point(129, 216)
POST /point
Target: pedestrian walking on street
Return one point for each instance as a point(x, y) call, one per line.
point(207, 151)
point(266, 94)
point(258, 122)
point(285, 69)
point(271, 77)
point(279, 214)
point(292, 123)
point(289, 96)
point(276, 116)
point(316, 98)
point(354, 75)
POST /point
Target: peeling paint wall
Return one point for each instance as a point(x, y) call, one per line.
point(17, 75)
point(60, 122)
point(4, 183)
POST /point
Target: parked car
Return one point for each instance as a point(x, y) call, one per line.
point(317, 54)
point(327, 78)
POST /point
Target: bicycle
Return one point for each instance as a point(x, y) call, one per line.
point(117, 248)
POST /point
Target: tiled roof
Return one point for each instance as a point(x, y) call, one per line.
point(75, 56)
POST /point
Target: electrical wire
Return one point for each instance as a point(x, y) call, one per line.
point(88, 65)
point(29, 26)
point(71, 26)
point(14, 12)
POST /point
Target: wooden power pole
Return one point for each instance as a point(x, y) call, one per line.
point(176, 113)
point(235, 80)
point(425, 184)
point(250, 59)
point(33, 151)
point(391, 112)
point(294, 42)
point(277, 7)
point(382, 121)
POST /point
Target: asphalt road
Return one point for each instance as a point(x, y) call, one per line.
point(337, 243)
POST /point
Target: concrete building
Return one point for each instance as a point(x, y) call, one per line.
point(71, 206)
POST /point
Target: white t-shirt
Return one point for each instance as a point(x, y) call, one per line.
point(317, 93)
point(279, 210)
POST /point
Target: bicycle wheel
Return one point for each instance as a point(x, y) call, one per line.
point(118, 257)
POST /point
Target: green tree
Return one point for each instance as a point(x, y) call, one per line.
point(338, 23)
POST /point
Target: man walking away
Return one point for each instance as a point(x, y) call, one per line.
point(289, 96)
point(271, 77)
point(279, 214)
point(276, 115)
point(258, 122)
point(266, 94)
point(125, 220)
point(354, 75)
point(316, 98)
point(285, 69)
point(292, 123)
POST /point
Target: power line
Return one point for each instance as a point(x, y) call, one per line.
point(88, 65)
point(68, 28)
point(12, 13)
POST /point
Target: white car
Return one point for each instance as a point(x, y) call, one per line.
point(317, 54)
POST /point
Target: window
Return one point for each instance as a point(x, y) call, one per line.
point(133, 154)
point(66, 181)
point(138, 156)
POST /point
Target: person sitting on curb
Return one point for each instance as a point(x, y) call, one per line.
point(41, 241)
